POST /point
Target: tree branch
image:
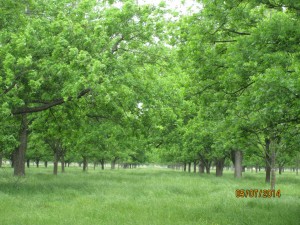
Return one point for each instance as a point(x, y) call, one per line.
point(47, 105)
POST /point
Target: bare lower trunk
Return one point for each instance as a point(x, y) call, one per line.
point(19, 154)
point(273, 168)
point(0, 159)
point(238, 168)
point(201, 167)
point(280, 169)
point(85, 164)
point(184, 167)
point(219, 167)
point(195, 166)
point(55, 163)
point(297, 163)
point(102, 162)
point(189, 166)
point(46, 164)
point(207, 168)
point(62, 161)
point(37, 161)
point(268, 161)
point(113, 164)
point(28, 163)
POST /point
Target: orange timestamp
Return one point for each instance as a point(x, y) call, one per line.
point(256, 193)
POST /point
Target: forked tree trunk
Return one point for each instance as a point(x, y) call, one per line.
point(268, 161)
point(55, 163)
point(238, 168)
point(219, 167)
point(19, 154)
point(207, 167)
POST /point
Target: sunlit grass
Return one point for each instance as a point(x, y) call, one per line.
point(142, 196)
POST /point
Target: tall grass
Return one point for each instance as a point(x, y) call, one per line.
point(142, 196)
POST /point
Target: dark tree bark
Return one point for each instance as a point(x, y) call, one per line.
point(280, 169)
point(85, 164)
point(37, 161)
point(268, 160)
point(19, 154)
point(113, 164)
point(184, 167)
point(238, 168)
point(189, 166)
point(12, 159)
point(55, 163)
point(219, 167)
point(46, 164)
point(28, 163)
point(102, 162)
point(201, 167)
point(62, 160)
point(273, 145)
point(195, 166)
point(0, 159)
point(207, 167)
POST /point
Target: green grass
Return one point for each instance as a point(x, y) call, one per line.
point(143, 196)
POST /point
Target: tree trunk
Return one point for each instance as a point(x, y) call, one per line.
point(28, 163)
point(46, 164)
point(184, 167)
point(55, 163)
point(297, 163)
point(195, 166)
point(273, 168)
point(0, 159)
point(85, 164)
point(207, 167)
point(201, 167)
point(62, 161)
point(268, 161)
point(256, 168)
point(102, 162)
point(113, 164)
point(189, 166)
point(238, 168)
point(12, 159)
point(19, 154)
point(280, 169)
point(219, 167)
point(37, 161)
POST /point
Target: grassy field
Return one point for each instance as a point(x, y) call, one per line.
point(143, 196)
